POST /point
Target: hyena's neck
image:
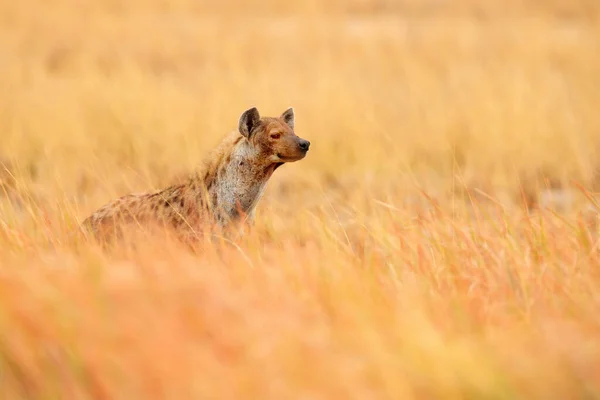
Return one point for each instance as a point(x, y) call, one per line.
point(233, 180)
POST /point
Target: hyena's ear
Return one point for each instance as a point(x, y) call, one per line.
point(288, 117)
point(248, 121)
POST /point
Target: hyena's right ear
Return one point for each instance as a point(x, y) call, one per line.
point(248, 121)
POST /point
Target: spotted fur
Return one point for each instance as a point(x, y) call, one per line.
point(225, 188)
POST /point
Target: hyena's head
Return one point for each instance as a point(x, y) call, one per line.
point(274, 138)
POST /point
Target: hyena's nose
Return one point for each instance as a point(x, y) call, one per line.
point(304, 144)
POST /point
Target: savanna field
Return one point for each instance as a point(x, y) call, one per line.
point(440, 239)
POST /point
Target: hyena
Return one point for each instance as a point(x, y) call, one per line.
point(225, 189)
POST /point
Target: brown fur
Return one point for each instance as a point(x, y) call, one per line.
point(225, 189)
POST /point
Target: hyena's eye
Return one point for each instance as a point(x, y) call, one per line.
point(275, 135)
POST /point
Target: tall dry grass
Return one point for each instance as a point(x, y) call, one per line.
point(415, 253)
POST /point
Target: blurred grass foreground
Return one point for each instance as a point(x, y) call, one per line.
point(440, 240)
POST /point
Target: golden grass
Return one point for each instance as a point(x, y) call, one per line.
point(410, 255)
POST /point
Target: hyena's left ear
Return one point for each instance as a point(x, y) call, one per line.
point(288, 117)
point(248, 121)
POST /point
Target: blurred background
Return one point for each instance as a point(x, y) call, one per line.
point(454, 97)
point(409, 255)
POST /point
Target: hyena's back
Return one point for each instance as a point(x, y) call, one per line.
point(170, 208)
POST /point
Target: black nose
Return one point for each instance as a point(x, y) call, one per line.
point(304, 144)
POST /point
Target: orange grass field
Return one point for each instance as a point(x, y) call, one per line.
point(440, 240)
